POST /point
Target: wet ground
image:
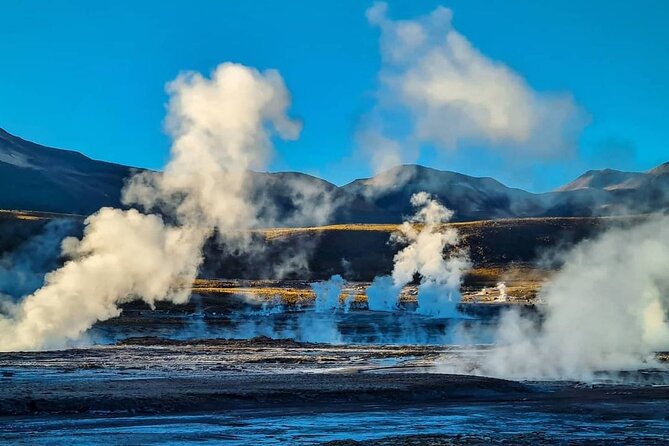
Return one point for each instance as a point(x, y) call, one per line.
point(373, 378)
point(464, 424)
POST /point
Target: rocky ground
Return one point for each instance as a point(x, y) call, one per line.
point(175, 374)
point(244, 389)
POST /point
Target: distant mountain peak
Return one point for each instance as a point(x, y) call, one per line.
point(39, 178)
point(35, 177)
point(603, 179)
point(661, 169)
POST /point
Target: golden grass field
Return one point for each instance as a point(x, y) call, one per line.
point(19, 215)
point(523, 284)
point(272, 233)
point(35, 215)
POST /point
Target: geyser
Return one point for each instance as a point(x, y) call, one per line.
point(606, 310)
point(221, 128)
point(441, 275)
point(327, 294)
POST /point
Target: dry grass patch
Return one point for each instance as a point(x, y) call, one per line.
point(291, 295)
point(274, 233)
point(9, 214)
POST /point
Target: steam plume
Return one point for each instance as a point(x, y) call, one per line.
point(606, 310)
point(501, 288)
point(439, 290)
point(453, 94)
point(221, 128)
point(327, 293)
point(22, 270)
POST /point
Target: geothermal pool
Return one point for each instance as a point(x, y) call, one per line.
point(354, 327)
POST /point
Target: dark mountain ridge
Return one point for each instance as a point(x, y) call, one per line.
point(38, 178)
point(34, 177)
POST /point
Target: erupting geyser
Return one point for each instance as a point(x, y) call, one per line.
point(327, 294)
point(501, 289)
point(441, 276)
point(221, 128)
point(606, 310)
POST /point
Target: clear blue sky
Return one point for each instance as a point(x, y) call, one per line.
point(90, 75)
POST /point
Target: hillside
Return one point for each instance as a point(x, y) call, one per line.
point(385, 198)
point(356, 251)
point(520, 252)
point(38, 178)
point(621, 192)
point(606, 179)
point(34, 177)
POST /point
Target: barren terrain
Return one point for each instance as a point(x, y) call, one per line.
point(247, 360)
point(278, 392)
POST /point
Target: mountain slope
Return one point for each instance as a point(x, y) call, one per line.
point(41, 178)
point(385, 198)
point(34, 177)
point(613, 192)
point(606, 179)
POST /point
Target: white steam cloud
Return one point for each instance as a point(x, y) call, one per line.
point(606, 310)
point(383, 294)
point(22, 270)
point(439, 290)
point(327, 294)
point(221, 128)
point(501, 288)
point(453, 94)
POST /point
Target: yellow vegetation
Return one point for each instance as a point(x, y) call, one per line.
point(272, 233)
point(35, 215)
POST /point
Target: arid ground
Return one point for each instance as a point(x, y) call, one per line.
point(267, 391)
point(246, 361)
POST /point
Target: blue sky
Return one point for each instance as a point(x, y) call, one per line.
point(90, 76)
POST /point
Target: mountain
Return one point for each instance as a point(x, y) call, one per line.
point(662, 169)
point(385, 198)
point(607, 179)
point(624, 192)
point(34, 177)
